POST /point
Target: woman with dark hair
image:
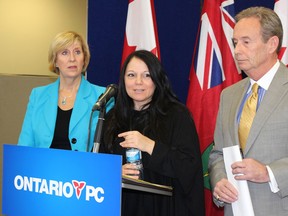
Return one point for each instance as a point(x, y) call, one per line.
point(149, 117)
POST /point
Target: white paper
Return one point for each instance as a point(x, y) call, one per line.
point(243, 206)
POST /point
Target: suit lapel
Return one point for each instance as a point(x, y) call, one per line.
point(238, 96)
point(81, 105)
point(277, 89)
point(49, 107)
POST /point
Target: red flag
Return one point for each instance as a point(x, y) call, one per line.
point(281, 8)
point(141, 30)
point(213, 69)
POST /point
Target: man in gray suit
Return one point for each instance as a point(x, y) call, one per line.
point(257, 38)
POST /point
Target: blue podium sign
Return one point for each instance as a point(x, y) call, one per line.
point(38, 181)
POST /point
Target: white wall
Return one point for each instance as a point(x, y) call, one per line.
point(27, 28)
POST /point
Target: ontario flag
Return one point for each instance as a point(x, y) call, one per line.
point(141, 28)
point(213, 69)
point(281, 8)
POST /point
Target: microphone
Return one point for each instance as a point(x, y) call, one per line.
point(111, 91)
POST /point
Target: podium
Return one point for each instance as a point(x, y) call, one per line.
point(133, 184)
point(38, 181)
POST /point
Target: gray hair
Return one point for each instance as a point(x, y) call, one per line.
point(270, 22)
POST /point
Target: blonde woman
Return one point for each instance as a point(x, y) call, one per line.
point(58, 114)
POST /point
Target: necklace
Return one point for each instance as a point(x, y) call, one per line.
point(64, 98)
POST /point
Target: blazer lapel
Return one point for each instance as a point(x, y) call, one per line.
point(49, 107)
point(238, 96)
point(81, 105)
point(273, 96)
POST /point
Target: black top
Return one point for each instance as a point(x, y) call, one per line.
point(61, 133)
point(175, 161)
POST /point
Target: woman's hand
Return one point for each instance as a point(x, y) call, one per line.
point(134, 139)
point(130, 170)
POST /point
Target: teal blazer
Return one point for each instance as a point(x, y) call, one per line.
point(40, 118)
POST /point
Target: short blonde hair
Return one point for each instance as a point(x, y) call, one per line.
point(62, 41)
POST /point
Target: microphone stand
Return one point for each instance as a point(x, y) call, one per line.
point(98, 132)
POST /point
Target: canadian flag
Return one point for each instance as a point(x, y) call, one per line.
point(141, 30)
point(281, 8)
